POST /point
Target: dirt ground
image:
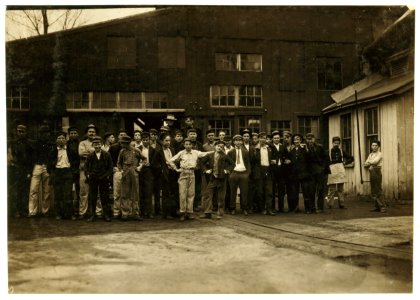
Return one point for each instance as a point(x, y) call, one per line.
point(200, 256)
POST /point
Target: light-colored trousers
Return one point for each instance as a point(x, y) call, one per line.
point(39, 175)
point(186, 184)
point(117, 193)
point(130, 192)
point(84, 193)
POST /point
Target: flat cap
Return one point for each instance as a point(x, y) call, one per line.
point(210, 131)
point(145, 134)
point(336, 138)
point(275, 132)
point(60, 133)
point(286, 132)
point(154, 131)
point(262, 134)
point(191, 130)
point(220, 142)
point(72, 128)
point(96, 139)
point(246, 131)
point(310, 135)
point(44, 128)
point(237, 137)
point(125, 139)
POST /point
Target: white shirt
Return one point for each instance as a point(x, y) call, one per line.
point(264, 156)
point(188, 160)
point(98, 155)
point(168, 154)
point(239, 163)
point(62, 158)
point(278, 149)
point(375, 159)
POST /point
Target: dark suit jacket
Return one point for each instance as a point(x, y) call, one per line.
point(99, 168)
point(318, 160)
point(160, 156)
point(279, 155)
point(224, 163)
point(245, 156)
point(72, 155)
point(257, 161)
point(300, 166)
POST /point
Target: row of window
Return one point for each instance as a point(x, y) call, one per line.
point(122, 54)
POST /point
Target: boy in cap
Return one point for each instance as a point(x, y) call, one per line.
point(196, 145)
point(130, 162)
point(63, 161)
point(73, 144)
point(336, 173)
point(187, 159)
point(374, 164)
point(177, 142)
point(218, 165)
point(19, 163)
point(40, 175)
point(86, 148)
point(154, 143)
point(98, 171)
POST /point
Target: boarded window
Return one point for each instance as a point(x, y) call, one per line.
point(171, 52)
point(121, 53)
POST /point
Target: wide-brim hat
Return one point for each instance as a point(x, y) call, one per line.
point(170, 117)
point(124, 139)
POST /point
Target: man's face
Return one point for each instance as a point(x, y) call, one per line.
point(210, 137)
point(111, 139)
point(137, 137)
point(21, 133)
point(97, 146)
point(276, 139)
point(228, 144)
point(188, 145)
point(61, 140)
point(153, 137)
point(178, 138)
point(91, 133)
point(297, 140)
point(237, 142)
point(192, 136)
point(219, 148)
point(310, 140)
point(287, 139)
point(145, 141)
point(121, 134)
point(246, 138)
point(336, 144)
point(73, 135)
point(166, 141)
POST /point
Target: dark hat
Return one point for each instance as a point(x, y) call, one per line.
point(227, 138)
point(44, 128)
point(154, 131)
point(107, 134)
point(60, 133)
point(91, 126)
point(186, 140)
point(220, 142)
point(72, 128)
point(165, 128)
point(262, 134)
point(145, 134)
point(96, 139)
point(170, 117)
point(237, 137)
point(122, 130)
point(286, 132)
point(275, 132)
point(191, 130)
point(336, 138)
point(125, 139)
point(210, 131)
point(310, 135)
point(246, 131)
point(178, 131)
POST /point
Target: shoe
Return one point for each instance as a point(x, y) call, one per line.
point(205, 216)
point(168, 217)
point(217, 217)
point(182, 218)
point(319, 211)
point(375, 210)
point(308, 212)
point(264, 212)
point(124, 218)
point(383, 210)
point(74, 218)
point(232, 212)
point(28, 216)
point(107, 219)
point(138, 218)
point(190, 216)
point(151, 216)
point(297, 210)
point(81, 217)
point(91, 219)
point(343, 207)
point(329, 206)
point(58, 217)
point(116, 217)
point(272, 213)
point(245, 212)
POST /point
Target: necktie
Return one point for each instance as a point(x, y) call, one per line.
point(238, 158)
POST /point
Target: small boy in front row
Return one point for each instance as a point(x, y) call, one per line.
point(187, 159)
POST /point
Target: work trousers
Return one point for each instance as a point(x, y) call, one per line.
point(18, 190)
point(215, 186)
point(197, 188)
point(238, 179)
point(39, 177)
point(116, 188)
point(306, 185)
point(146, 190)
point(84, 193)
point(186, 183)
point(318, 190)
point(102, 185)
point(376, 187)
point(156, 190)
point(264, 185)
point(130, 192)
point(63, 197)
point(76, 197)
point(279, 188)
point(170, 194)
point(332, 190)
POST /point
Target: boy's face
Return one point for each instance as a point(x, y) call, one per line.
point(97, 146)
point(276, 139)
point(246, 137)
point(137, 136)
point(192, 136)
point(166, 141)
point(61, 140)
point(210, 137)
point(297, 140)
point(263, 140)
point(153, 136)
point(188, 145)
point(287, 139)
point(73, 135)
point(219, 148)
point(145, 141)
point(178, 138)
point(336, 144)
point(237, 142)
point(374, 147)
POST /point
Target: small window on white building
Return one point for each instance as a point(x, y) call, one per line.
point(346, 133)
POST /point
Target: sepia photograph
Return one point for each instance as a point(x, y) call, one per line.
point(229, 149)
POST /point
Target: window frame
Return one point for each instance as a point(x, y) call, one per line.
point(347, 140)
point(325, 61)
point(20, 98)
point(218, 128)
point(304, 132)
point(370, 136)
point(236, 94)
